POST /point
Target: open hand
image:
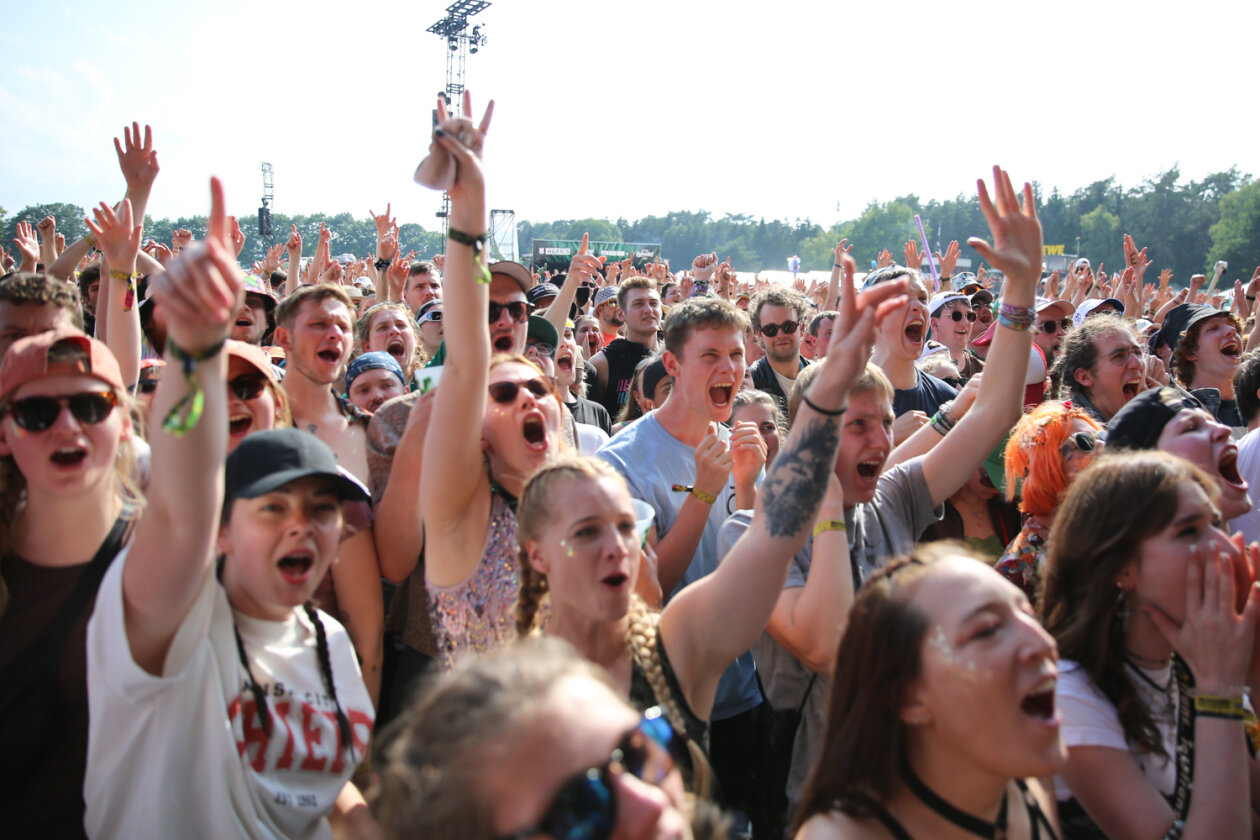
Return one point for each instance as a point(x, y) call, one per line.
point(138, 162)
point(1016, 248)
point(116, 236)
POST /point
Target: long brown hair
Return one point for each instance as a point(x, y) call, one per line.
point(1112, 507)
point(880, 657)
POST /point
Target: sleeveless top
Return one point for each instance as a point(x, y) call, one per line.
point(1036, 817)
point(642, 697)
point(476, 614)
point(623, 356)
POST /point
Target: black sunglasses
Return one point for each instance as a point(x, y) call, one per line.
point(1050, 327)
point(146, 386)
point(505, 393)
point(788, 327)
point(957, 315)
point(1083, 441)
point(517, 309)
point(247, 386)
point(585, 807)
point(38, 414)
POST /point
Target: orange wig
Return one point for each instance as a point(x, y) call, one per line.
point(1034, 456)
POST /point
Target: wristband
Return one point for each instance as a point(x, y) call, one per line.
point(129, 299)
point(830, 525)
point(185, 414)
point(805, 399)
point(382, 264)
point(835, 264)
point(478, 244)
point(940, 424)
point(1250, 297)
point(707, 498)
point(1209, 705)
point(87, 237)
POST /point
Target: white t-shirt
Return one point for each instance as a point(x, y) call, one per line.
point(183, 754)
point(1090, 720)
point(1249, 469)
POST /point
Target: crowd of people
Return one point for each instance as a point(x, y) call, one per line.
point(447, 548)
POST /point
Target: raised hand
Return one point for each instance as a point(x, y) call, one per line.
point(116, 235)
point(914, 259)
point(854, 335)
point(27, 245)
point(950, 259)
point(884, 260)
point(1196, 283)
point(713, 463)
point(704, 266)
point(1016, 248)
point(59, 239)
point(47, 228)
point(839, 251)
point(138, 161)
point(1052, 286)
point(200, 292)
point(158, 251)
point(181, 238)
point(384, 221)
point(1165, 277)
point(238, 236)
point(585, 265)
point(333, 274)
point(748, 452)
point(440, 261)
point(387, 244)
point(271, 262)
point(440, 170)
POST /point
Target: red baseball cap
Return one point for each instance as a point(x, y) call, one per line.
point(27, 360)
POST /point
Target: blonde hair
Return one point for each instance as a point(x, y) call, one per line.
point(126, 482)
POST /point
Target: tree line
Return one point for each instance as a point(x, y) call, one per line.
point(1186, 225)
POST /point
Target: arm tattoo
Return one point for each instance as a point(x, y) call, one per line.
point(797, 482)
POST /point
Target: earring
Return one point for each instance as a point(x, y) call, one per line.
point(1123, 610)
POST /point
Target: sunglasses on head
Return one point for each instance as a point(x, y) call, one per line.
point(1050, 327)
point(247, 386)
point(585, 807)
point(517, 309)
point(957, 315)
point(436, 315)
point(37, 414)
point(505, 393)
point(771, 330)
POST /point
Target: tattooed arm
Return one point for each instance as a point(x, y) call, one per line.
point(717, 618)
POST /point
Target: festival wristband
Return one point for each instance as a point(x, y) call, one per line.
point(1209, 705)
point(478, 244)
point(707, 498)
point(185, 414)
point(829, 525)
point(129, 300)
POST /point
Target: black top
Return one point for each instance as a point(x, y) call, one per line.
point(590, 413)
point(926, 396)
point(764, 379)
point(622, 356)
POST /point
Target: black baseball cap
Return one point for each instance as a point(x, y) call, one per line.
point(266, 461)
point(1140, 422)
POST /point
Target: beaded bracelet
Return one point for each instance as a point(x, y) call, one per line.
point(129, 299)
point(478, 244)
point(185, 414)
point(1017, 318)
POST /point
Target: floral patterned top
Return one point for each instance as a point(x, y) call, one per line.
point(1025, 558)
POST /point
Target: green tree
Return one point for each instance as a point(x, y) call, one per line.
point(1236, 237)
point(69, 220)
point(1100, 236)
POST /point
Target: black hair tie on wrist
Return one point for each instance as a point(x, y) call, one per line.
point(805, 399)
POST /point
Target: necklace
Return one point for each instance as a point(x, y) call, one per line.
point(967, 822)
point(1166, 691)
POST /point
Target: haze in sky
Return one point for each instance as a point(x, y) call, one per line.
point(623, 109)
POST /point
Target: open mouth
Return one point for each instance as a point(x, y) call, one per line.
point(615, 581)
point(721, 394)
point(244, 322)
point(1228, 467)
point(1039, 702)
point(565, 363)
point(1231, 350)
point(868, 469)
point(69, 456)
point(914, 333)
point(534, 431)
point(1132, 388)
point(396, 348)
point(985, 481)
point(332, 357)
point(296, 567)
point(503, 343)
point(240, 425)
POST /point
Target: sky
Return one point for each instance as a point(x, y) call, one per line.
point(608, 109)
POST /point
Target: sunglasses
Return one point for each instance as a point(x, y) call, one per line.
point(146, 386)
point(585, 808)
point(1082, 441)
point(1050, 327)
point(957, 315)
point(517, 309)
point(771, 330)
point(504, 393)
point(247, 386)
point(436, 315)
point(38, 414)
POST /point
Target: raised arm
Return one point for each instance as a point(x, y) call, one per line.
point(1016, 250)
point(139, 164)
point(119, 239)
point(582, 268)
point(293, 247)
point(717, 618)
point(452, 461)
point(837, 264)
point(174, 544)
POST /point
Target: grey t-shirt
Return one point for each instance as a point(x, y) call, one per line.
point(653, 461)
point(892, 522)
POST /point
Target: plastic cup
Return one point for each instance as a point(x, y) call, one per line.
point(427, 378)
point(643, 516)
